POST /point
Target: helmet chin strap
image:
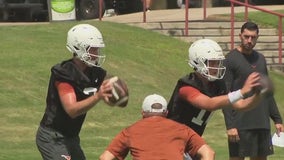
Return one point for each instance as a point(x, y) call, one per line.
point(211, 79)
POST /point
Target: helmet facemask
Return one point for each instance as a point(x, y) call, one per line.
point(212, 69)
point(91, 56)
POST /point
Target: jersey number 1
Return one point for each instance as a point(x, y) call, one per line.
point(199, 119)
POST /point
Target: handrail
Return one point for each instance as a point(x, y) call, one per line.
point(144, 11)
point(100, 9)
point(186, 15)
point(246, 5)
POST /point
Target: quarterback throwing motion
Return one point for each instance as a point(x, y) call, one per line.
point(75, 86)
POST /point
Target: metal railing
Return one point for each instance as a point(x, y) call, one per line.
point(187, 17)
point(245, 4)
point(100, 9)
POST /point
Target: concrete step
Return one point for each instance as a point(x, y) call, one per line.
point(219, 31)
point(177, 28)
point(209, 31)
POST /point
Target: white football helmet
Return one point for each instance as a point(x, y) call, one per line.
point(206, 57)
point(81, 38)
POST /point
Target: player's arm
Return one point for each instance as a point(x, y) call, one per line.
point(248, 103)
point(118, 148)
point(198, 147)
point(75, 108)
point(107, 155)
point(205, 152)
point(200, 100)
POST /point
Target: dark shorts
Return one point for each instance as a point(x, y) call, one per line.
point(53, 145)
point(253, 143)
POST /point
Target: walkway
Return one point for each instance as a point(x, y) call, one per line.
point(179, 14)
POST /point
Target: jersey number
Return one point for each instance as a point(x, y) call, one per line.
point(199, 119)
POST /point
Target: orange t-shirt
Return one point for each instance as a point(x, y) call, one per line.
point(156, 138)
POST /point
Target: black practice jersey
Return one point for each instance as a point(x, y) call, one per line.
point(182, 111)
point(55, 116)
point(238, 68)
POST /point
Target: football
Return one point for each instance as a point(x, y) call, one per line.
point(119, 92)
point(266, 85)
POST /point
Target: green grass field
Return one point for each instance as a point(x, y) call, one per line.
point(147, 61)
point(263, 19)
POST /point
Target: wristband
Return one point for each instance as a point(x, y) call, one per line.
point(235, 96)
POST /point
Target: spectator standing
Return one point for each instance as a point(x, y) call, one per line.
point(249, 133)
